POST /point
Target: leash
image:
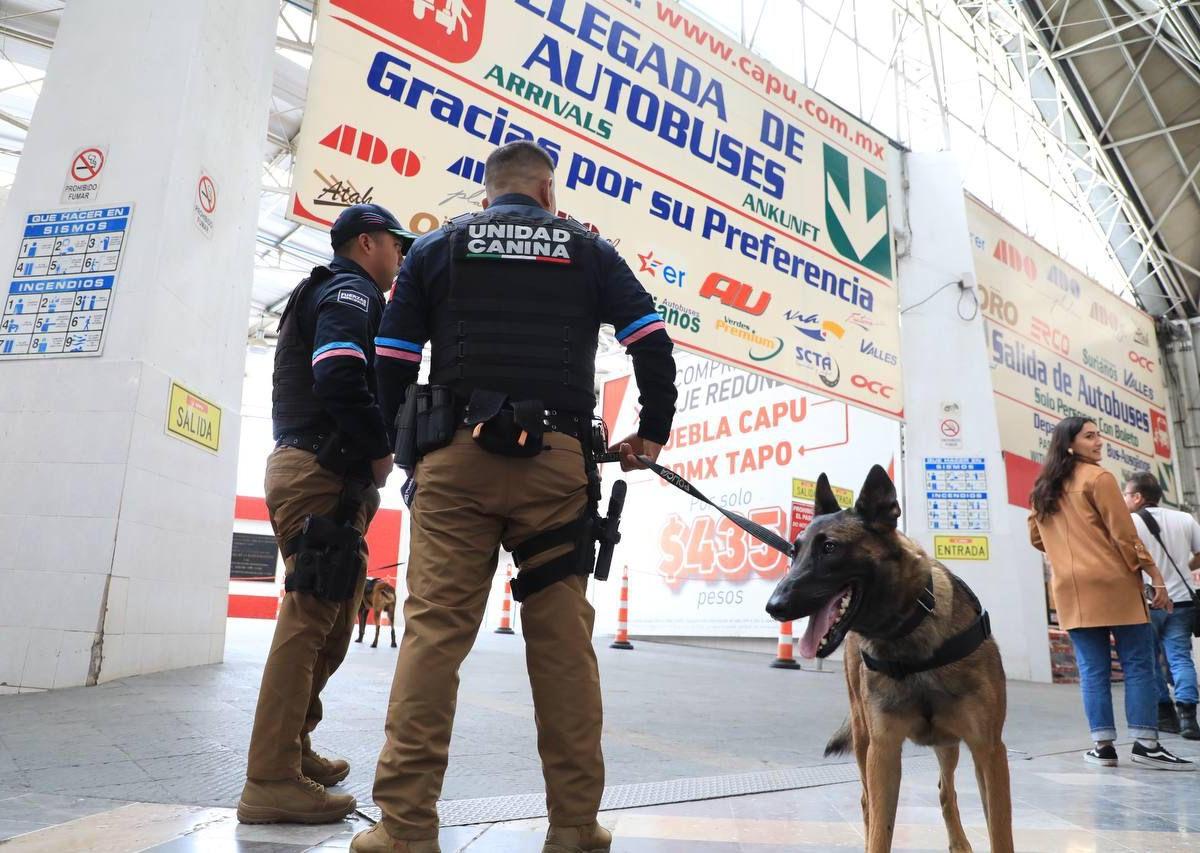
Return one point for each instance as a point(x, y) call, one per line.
point(768, 537)
point(954, 649)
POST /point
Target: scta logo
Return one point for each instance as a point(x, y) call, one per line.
point(734, 293)
point(1141, 361)
point(451, 29)
point(670, 273)
point(371, 149)
point(825, 366)
point(874, 386)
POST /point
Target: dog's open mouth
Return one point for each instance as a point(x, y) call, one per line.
point(828, 626)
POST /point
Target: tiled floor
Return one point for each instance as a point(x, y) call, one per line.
point(1059, 805)
point(155, 763)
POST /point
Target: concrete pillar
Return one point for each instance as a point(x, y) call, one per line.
point(114, 535)
point(946, 365)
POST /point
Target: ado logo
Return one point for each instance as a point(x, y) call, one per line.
point(369, 148)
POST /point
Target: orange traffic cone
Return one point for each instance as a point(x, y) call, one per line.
point(506, 607)
point(786, 658)
point(622, 639)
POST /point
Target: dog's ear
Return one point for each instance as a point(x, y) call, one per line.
point(877, 504)
point(824, 503)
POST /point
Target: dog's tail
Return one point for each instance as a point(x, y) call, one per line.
point(841, 741)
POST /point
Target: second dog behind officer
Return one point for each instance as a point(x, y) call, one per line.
point(511, 300)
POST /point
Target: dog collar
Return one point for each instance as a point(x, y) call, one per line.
point(924, 607)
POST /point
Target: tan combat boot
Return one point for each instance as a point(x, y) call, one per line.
point(299, 800)
point(377, 840)
point(326, 771)
point(589, 838)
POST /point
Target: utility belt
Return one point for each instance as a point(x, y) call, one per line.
point(332, 453)
point(431, 415)
point(328, 549)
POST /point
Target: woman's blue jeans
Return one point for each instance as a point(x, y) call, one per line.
point(1135, 648)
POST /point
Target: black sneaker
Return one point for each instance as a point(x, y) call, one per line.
point(1159, 758)
point(1105, 756)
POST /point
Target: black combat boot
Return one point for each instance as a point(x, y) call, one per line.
point(1187, 721)
point(1168, 723)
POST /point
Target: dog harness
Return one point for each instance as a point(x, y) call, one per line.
point(953, 650)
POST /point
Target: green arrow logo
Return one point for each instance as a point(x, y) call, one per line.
point(856, 214)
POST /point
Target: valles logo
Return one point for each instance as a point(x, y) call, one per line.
point(451, 29)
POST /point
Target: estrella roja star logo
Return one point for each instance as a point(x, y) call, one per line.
point(669, 273)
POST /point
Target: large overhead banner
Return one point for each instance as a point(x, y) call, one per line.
point(1061, 344)
point(754, 211)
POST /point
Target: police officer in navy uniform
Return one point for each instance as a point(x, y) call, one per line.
point(511, 300)
point(332, 454)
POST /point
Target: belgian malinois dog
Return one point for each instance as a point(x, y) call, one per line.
point(379, 596)
point(920, 661)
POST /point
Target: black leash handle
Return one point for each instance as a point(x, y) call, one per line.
point(755, 529)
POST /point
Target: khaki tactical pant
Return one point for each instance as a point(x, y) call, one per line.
point(311, 635)
point(469, 502)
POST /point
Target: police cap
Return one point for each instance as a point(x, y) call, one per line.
point(366, 219)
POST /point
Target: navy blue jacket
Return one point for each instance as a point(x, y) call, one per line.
point(340, 316)
point(421, 290)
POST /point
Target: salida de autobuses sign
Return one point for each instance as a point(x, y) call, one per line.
point(754, 211)
point(1061, 344)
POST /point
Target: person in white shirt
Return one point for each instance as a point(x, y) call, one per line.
point(1180, 533)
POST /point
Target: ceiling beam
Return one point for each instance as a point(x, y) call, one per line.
point(1142, 137)
point(1114, 30)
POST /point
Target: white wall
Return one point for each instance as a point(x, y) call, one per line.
point(945, 360)
point(116, 536)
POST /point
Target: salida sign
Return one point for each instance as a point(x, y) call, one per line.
point(193, 419)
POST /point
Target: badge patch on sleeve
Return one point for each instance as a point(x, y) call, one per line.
point(510, 241)
point(350, 297)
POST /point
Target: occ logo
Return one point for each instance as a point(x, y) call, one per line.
point(872, 385)
point(1141, 361)
point(451, 29)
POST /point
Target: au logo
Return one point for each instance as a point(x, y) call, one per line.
point(856, 214)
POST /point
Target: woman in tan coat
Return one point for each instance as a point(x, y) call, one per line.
point(1080, 520)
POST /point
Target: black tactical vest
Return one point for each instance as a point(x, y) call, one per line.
point(522, 313)
point(294, 406)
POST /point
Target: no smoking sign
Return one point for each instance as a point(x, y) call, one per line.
point(83, 174)
point(204, 207)
point(206, 192)
point(951, 433)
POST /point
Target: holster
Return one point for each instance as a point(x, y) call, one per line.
point(328, 550)
point(504, 427)
point(334, 455)
point(584, 533)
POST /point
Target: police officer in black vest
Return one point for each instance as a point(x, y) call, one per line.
point(322, 480)
point(511, 301)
